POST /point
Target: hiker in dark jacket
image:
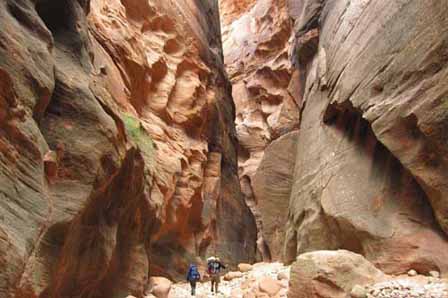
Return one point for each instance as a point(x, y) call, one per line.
point(214, 267)
point(193, 277)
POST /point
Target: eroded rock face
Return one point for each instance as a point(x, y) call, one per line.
point(115, 120)
point(75, 213)
point(272, 185)
point(256, 41)
point(167, 58)
point(370, 172)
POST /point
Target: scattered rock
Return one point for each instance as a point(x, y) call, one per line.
point(405, 288)
point(232, 275)
point(160, 287)
point(434, 274)
point(244, 267)
point(412, 272)
point(358, 292)
point(269, 286)
point(245, 286)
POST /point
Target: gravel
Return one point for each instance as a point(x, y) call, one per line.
point(408, 289)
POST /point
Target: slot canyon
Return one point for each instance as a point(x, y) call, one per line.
point(303, 142)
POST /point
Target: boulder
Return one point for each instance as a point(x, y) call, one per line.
point(330, 274)
point(243, 267)
point(358, 292)
point(269, 286)
point(232, 275)
point(160, 286)
point(412, 272)
point(435, 274)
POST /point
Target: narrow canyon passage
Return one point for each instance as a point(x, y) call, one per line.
point(303, 142)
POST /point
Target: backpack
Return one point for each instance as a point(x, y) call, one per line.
point(193, 273)
point(214, 267)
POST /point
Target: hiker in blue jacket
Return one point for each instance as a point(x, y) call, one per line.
point(193, 277)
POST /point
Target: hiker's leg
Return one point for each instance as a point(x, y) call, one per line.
point(216, 284)
point(193, 287)
point(212, 281)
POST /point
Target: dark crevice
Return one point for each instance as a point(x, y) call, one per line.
point(56, 15)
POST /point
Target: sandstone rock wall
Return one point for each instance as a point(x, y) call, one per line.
point(370, 171)
point(168, 58)
point(117, 146)
point(256, 40)
point(75, 208)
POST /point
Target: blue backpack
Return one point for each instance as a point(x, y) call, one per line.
point(193, 273)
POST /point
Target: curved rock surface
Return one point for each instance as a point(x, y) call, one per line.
point(75, 208)
point(167, 58)
point(256, 41)
point(331, 274)
point(117, 146)
point(370, 172)
point(272, 186)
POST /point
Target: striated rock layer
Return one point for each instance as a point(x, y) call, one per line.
point(167, 57)
point(371, 167)
point(117, 146)
point(256, 41)
point(76, 215)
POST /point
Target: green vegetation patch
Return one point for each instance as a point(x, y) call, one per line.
point(139, 135)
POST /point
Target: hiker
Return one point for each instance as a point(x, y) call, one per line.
point(193, 277)
point(214, 267)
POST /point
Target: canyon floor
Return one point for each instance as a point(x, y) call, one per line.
point(272, 280)
point(264, 279)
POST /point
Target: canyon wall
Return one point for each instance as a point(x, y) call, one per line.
point(341, 119)
point(370, 163)
point(168, 59)
point(117, 146)
point(256, 40)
